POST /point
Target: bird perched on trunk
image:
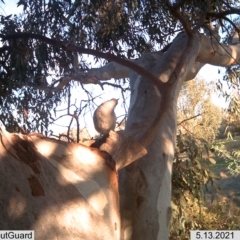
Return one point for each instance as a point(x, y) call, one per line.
point(104, 117)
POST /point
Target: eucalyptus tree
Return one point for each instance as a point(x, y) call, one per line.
point(197, 115)
point(156, 44)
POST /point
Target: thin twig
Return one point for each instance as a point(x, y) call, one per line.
point(187, 119)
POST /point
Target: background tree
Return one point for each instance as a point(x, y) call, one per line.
point(197, 115)
point(192, 173)
point(230, 124)
point(198, 124)
point(41, 60)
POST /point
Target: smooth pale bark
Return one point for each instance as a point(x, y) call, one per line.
point(211, 52)
point(146, 184)
point(218, 54)
point(60, 190)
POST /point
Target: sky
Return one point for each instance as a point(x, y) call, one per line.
point(10, 7)
point(208, 72)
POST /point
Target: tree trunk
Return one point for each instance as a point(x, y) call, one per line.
point(145, 185)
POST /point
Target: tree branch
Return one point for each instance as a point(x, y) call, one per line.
point(234, 26)
point(187, 59)
point(175, 12)
point(224, 13)
point(71, 47)
point(187, 119)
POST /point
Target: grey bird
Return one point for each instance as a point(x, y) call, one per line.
point(104, 117)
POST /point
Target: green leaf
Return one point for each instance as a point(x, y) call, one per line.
point(212, 160)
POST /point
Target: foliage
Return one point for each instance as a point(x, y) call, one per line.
point(198, 119)
point(197, 115)
point(190, 173)
point(231, 157)
point(230, 125)
point(125, 28)
point(228, 85)
point(213, 217)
